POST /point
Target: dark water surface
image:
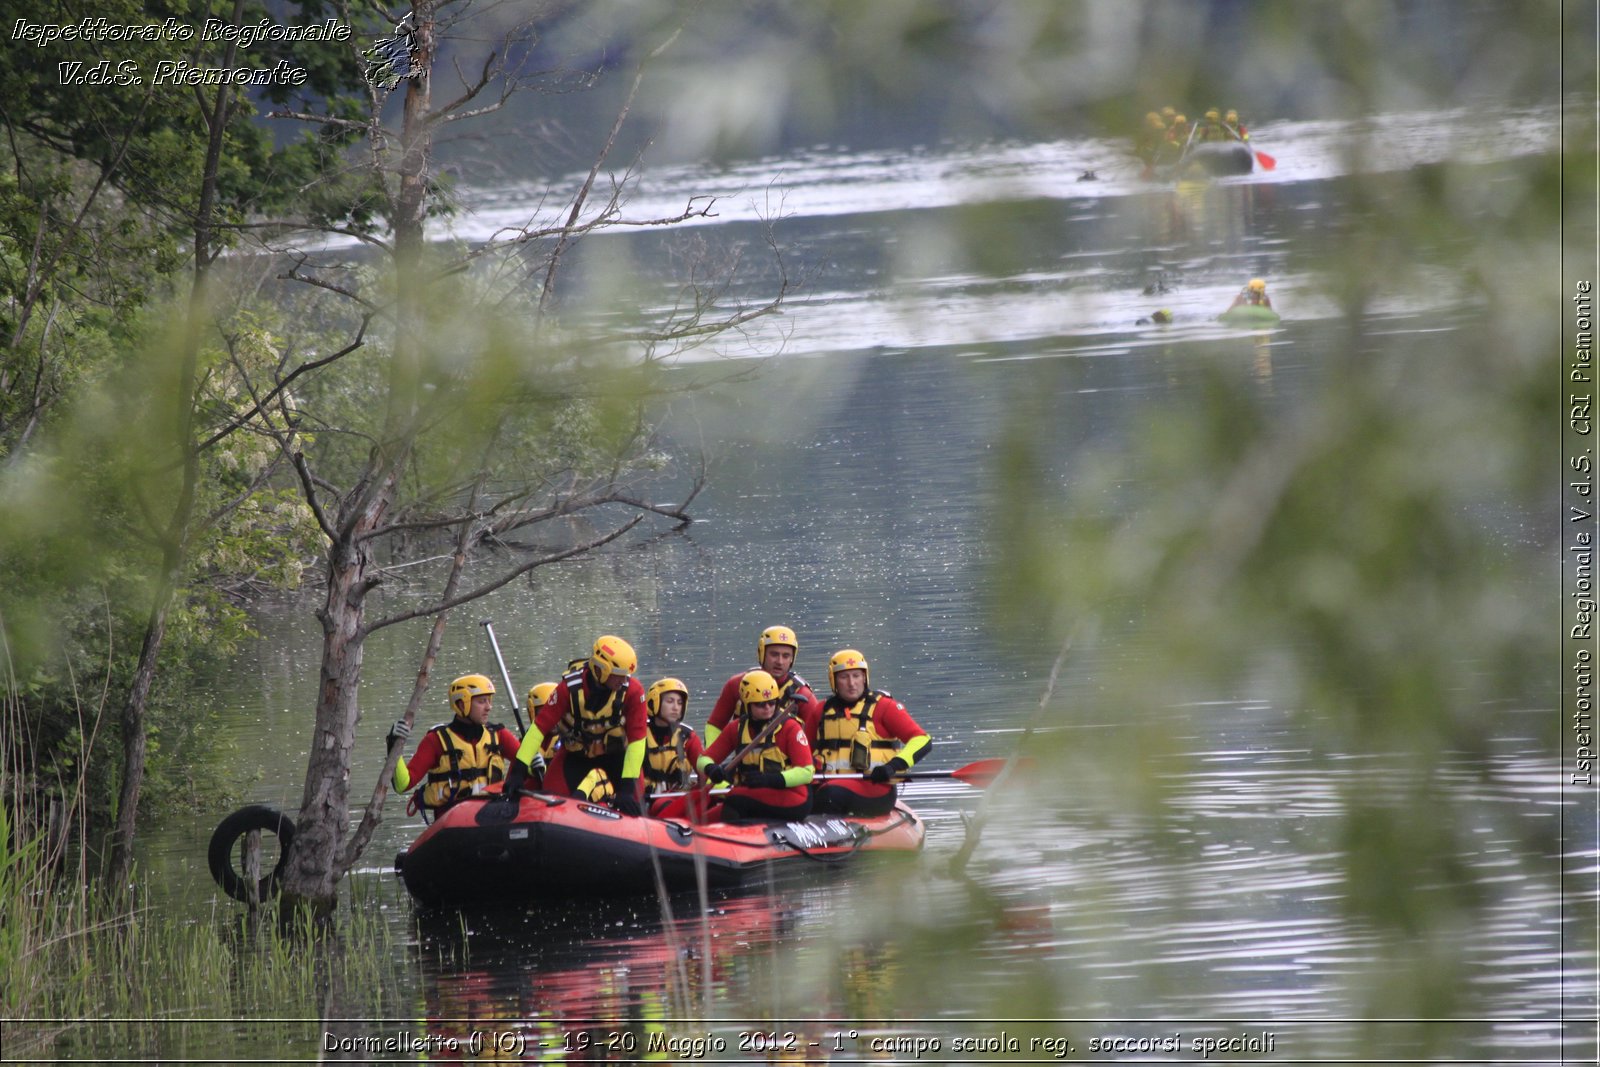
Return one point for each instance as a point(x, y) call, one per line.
point(853, 495)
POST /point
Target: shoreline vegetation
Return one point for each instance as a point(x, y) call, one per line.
point(73, 952)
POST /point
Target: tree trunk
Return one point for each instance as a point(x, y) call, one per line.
point(179, 530)
point(311, 876)
point(133, 739)
point(315, 864)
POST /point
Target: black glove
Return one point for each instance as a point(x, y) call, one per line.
point(627, 798)
point(762, 780)
point(514, 779)
point(881, 774)
point(397, 734)
point(714, 773)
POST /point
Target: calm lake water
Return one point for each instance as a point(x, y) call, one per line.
point(853, 495)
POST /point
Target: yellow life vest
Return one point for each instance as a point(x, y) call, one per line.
point(463, 768)
point(846, 742)
point(767, 758)
point(596, 787)
point(591, 732)
point(666, 763)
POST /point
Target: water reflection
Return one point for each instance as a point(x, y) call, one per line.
point(615, 983)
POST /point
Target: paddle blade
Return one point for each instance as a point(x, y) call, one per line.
point(981, 773)
point(1266, 161)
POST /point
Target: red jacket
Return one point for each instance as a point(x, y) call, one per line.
point(635, 716)
point(430, 753)
point(728, 699)
point(789, 740)
point(890, 719)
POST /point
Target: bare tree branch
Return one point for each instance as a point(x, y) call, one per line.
point(308, 485)
point(288, 380)
point(512, 575)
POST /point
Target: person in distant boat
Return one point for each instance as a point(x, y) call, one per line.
point(671, 748)
point(776, 649)
point(1147, 145)
point(860, 731)
point(1254, 294)
point(1175, 142)
point(767, 756)
point(1231, 119)
point(458, 758)
point(599, 714)
point(1211, 127)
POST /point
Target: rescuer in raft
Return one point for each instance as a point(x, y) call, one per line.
point(598, 712)
point(537, 696)
point(771, 768)
point(1254, 294)
point(671, 748)
point(457, 758)
point(860, 731)
point(776, 649)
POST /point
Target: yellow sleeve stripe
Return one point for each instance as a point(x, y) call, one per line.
point(633, 759)
point(531, 744)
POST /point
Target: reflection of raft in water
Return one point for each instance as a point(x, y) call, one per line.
point(1249, 315)
point(561, 847)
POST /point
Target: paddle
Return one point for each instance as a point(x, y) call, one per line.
point(759, 740)
point(977, 774)
point(505, 675)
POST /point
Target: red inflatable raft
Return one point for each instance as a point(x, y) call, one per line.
point(560, 847)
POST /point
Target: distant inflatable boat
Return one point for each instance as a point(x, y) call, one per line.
point(1208, 159)
point(1216, 159)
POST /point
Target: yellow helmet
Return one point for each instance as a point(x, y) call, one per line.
point(659, 689)
point(847, 659)
point(464, 688)
point(1232, 117)
point(775, 635)
point(1213, 114)
point(758, 687)
point(1168, 112)
point(539, 695)
point(1180, 119)
point(612, 655)
point(1257, 285)
point(1153, 118)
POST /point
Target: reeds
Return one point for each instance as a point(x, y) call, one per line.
point(88, 972)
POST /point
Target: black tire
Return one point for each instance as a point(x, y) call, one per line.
point(227, 835)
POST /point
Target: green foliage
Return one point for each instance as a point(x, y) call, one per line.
point(82, 562)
